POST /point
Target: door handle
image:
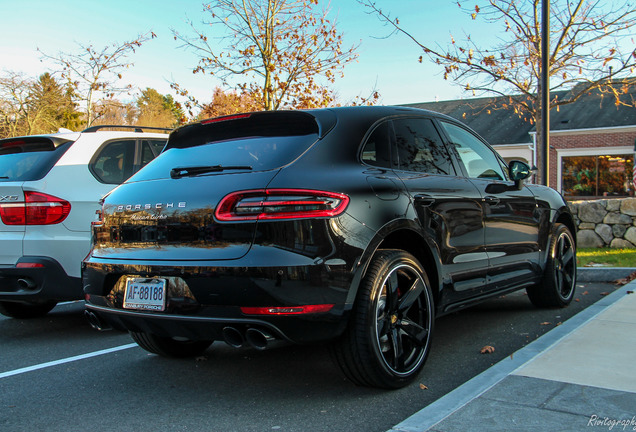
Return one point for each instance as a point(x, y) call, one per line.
point(424, 200)
point(491, 200)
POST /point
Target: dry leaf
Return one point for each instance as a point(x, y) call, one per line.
point(604, 293)
point(546, 323)
point(488, 349)
point(626, 280)
point(585, 293)
point(423, 387)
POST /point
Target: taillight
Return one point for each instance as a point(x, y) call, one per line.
point(226, 118)
point(13, 213)
point(268, 204)
point(287, 310)
point(37, 209)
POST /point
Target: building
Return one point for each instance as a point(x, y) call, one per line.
point(592, 140)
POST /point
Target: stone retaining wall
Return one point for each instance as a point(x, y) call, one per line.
point(605, 223)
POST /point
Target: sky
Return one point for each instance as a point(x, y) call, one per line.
point(387, 64)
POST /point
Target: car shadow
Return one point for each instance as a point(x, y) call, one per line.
point(65, 322)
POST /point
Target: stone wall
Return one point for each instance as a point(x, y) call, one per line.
point(605, 223)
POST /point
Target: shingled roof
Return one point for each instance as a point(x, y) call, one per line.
point(497, 122)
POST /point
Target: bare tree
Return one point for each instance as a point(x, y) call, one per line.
point(14, 94)
point(96, 72)
point(591, 47)
point(29, 106)
point(281, 53)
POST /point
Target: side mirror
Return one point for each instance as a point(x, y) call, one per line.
point(519, 171)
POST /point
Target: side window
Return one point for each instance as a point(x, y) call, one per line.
point(478, 159)
point(150, 149)
point(376, 149)
point(420, 147)
point(114, 162)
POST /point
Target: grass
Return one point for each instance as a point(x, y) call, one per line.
point(591, 257)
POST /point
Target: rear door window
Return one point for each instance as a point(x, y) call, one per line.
point(115, 162)
point(420, 147)
point(150, 149)
point(28, 159)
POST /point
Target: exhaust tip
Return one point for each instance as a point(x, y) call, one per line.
point(233, 337)
point(96, 322)
point(26, 283)
point(258, 339)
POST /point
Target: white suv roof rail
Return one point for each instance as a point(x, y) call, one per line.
point(136, 128)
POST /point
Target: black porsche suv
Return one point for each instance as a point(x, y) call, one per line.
point(358, 225)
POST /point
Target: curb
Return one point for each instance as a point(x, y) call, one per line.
point(603, 274)
point(445, 406)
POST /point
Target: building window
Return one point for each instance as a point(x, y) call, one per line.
point(605, 175)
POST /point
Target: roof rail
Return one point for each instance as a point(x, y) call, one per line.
point(136, 128)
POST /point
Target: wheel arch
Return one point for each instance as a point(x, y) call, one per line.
point(564, 217)
point(406, 237)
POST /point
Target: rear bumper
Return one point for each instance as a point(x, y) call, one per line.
point(200, 327)
point(203, 300)
point(35, 279)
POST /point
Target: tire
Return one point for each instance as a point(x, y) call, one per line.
point(170, 347)
point(25, 310)
point(390, 329)
point(557, 286)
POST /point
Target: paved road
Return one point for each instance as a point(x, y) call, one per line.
point(55, 376)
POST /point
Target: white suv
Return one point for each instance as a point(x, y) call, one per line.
point(50, 187)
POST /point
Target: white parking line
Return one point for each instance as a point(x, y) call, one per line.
point(66, 360)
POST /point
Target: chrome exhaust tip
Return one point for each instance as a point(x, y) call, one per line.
point(233, 337)
point(96, 321)
point(26, 283)
point(258, 339)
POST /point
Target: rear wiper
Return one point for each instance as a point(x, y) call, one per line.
point(196, 170)
point(3, 177)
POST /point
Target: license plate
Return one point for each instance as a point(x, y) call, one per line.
point(145, 294)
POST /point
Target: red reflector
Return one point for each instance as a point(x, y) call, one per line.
point(287, 310)
point(29, 265)
point(269, 204)
point(13, 213)
point(225, 118)
point(37, 209)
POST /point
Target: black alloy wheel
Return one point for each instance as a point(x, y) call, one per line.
point(391, 327)
point(559, 278)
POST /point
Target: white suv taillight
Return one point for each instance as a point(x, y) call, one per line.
point(37, 209)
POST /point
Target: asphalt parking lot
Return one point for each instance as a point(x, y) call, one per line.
point(58, 374)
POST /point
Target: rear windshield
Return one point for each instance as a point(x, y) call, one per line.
point(29, 159)
point(261, 142)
